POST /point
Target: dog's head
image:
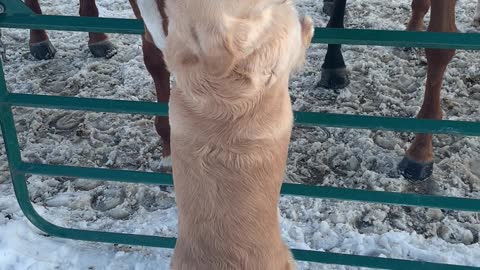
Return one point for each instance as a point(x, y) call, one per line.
point(218, 33)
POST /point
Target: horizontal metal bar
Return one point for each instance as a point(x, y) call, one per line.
point(372, 262)
point(87, 104)
point(301, 118)
point(465, 128)
point(392, 198)
point(322, 35)
point(73, 23)
point(126, 176)
point(468, 41)
point(333, 193)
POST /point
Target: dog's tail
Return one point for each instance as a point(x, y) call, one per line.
point(154, 21)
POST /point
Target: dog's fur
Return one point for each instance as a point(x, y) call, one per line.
point(231, 121)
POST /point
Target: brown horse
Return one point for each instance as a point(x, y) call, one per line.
point(100, 46)
point(417, 164)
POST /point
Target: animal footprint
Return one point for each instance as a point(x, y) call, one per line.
point(152, 201)
point(67, 121)
point(387, 140)
point(108, 199)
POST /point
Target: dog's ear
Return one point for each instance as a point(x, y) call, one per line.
point(236, 40)
point(216, 51)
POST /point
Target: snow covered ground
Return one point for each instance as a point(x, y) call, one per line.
point(385, 81)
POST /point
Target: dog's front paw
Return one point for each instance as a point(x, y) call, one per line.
point(308, 30)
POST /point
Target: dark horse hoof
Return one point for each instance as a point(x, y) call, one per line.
point(43, 50)
point(103, 48)
point(334, 78)
point(415, 171)
point(328, 6)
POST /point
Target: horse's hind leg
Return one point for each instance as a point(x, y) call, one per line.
point(334, 71)
point(40, 46)
point(419, 10)
point(98, 43)
point(418, 162)
point(157, 68)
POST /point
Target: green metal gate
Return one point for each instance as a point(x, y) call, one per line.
point(13, 14)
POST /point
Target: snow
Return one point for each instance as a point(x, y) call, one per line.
point(385, 82)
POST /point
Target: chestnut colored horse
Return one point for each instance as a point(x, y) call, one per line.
point(417, 165)
point(100, 46)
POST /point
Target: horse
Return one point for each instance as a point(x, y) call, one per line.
point(100, 46)
point(417, 163)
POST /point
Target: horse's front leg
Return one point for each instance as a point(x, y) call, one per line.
point(98, 43)
point(334, 71)
point(476, 19)
point(418, 162)
point(40, 46)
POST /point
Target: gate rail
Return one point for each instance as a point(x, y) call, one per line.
point(14, 14)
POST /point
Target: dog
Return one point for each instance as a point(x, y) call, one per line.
point(231, 120)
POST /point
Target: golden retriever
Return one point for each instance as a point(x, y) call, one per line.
point(231, 121)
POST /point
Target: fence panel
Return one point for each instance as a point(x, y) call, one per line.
point(14, 14)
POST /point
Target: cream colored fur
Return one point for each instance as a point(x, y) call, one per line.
point(231, 121)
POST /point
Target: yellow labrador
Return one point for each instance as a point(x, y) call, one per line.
point(231, 121)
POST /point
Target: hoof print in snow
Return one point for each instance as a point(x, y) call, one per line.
point(108, 199)
point(153, 201)
point(67, 121)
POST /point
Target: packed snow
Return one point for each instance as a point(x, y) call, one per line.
point(385, 82)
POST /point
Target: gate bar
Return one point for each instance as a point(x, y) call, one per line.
point(466, 128)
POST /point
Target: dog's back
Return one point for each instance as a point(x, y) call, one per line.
point(231, 121)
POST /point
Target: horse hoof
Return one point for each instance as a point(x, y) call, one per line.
point(334, 78)
point(415, 171)
point(476, 21)
point(166, 166)
point(103, 48)
point(43, 50)
point(328, 6)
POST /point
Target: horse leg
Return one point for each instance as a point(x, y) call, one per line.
point(98, 43)
point(417, 164)
point(157, 68)
point(476, 19)
point(334, 71)
point(328, 6)
point(419, 10)
point(40, 46)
